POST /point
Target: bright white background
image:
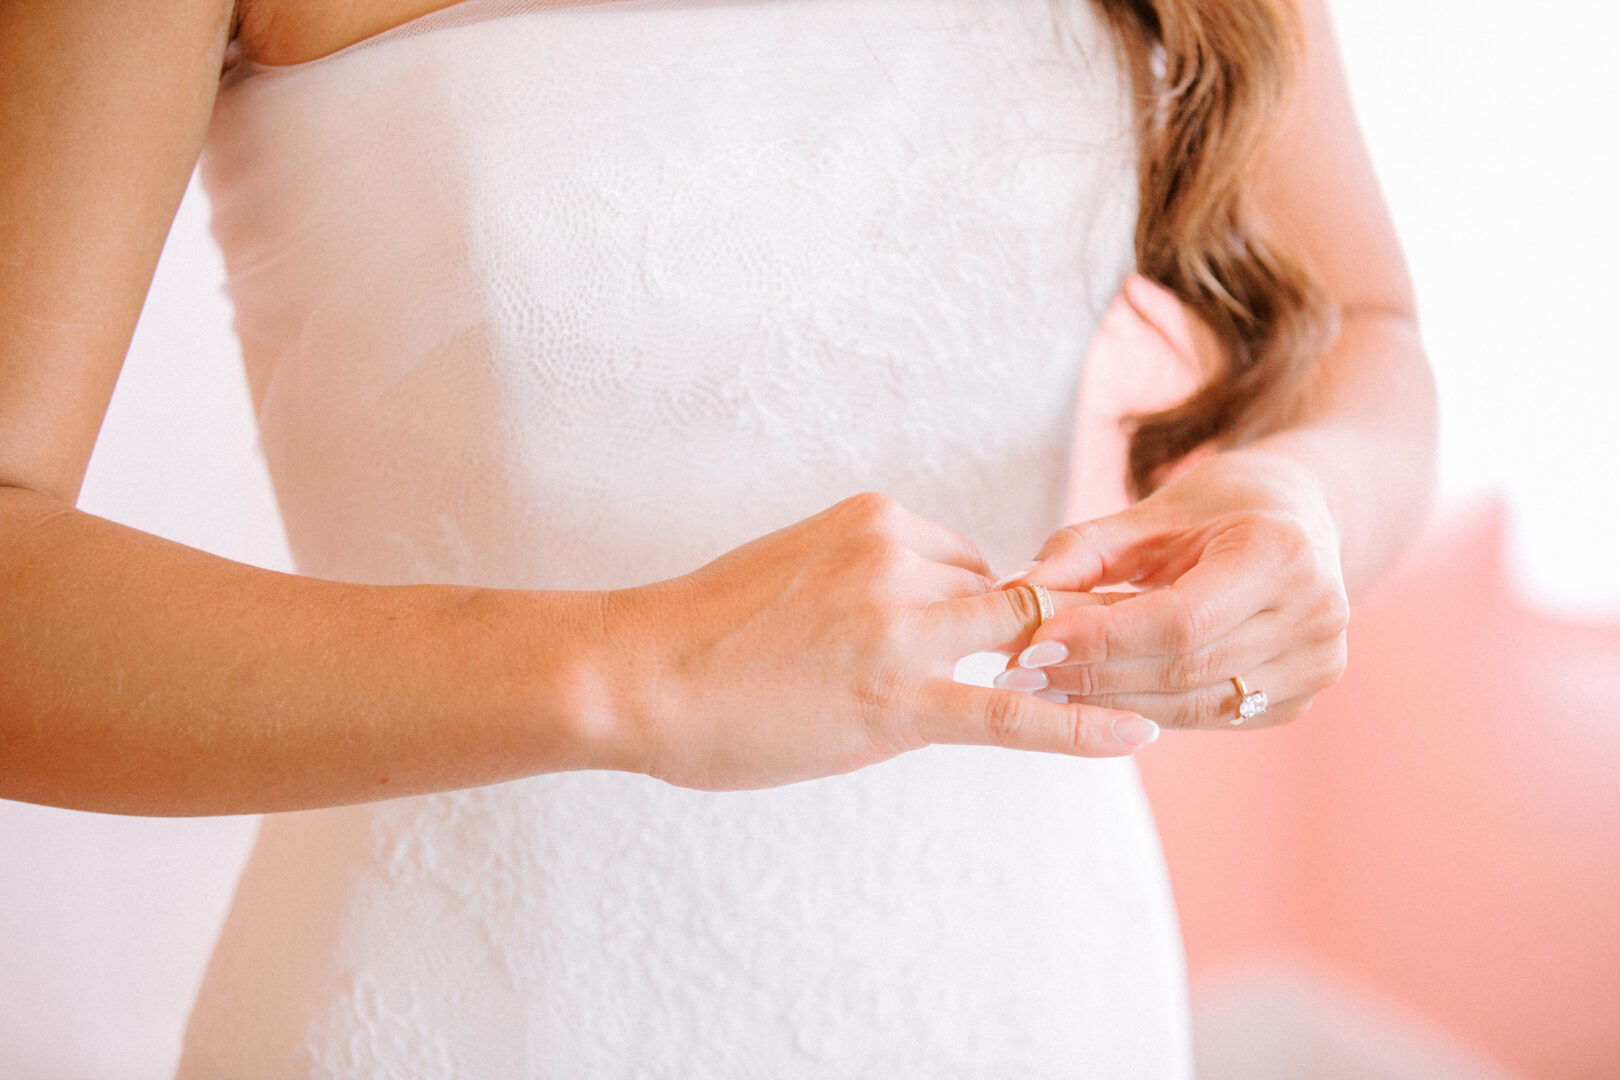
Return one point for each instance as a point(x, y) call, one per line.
point(1493, 129)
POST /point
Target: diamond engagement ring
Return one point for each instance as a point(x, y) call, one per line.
point(1043, 600)
point(1250, 705)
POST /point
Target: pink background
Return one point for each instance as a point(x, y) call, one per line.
point(1442, 828)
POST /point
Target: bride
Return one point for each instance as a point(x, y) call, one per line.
point(655, 392)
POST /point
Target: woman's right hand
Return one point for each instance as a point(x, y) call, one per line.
point(822, 648)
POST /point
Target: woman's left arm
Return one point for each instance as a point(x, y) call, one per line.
point(1251, 555)
point(1369, 435)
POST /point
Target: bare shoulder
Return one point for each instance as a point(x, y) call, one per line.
point(294, 31)
point(103, 109)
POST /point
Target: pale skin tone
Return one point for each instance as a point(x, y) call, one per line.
point(141, 676)
point(1252, 556)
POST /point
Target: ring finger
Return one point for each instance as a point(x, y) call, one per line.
point(1215, 706)
point(1244, 649)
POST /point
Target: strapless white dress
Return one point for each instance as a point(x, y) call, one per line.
point(544, 295)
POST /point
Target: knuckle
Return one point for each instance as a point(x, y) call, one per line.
point(974, 554)
point(1021, 601)
point(1337, 660)
point(1090, 641)
point(1102, 647)
point(1080, 534)
point(1079, 738)
point(893, 632)
point(1189, 625)
point(1333, 610)
point(883, 694)
point(873, 508)
point(1293, 542)
point(1191, 670)
point(1204, 709)
point(1006, 717)
point(887, 706)
point(888, 555)
point(1088, 680)
point(1086, 532)
point(885, 562)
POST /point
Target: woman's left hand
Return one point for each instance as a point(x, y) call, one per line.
point(1238, 558)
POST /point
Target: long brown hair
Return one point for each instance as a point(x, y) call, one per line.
point(1210, 78)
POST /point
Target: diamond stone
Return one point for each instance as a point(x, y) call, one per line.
point(1253, 705)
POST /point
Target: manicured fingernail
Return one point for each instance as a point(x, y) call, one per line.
point(1020, 679)
point(1136, 730)
point(1043, 654)
point(1051, 695)
point(1015, 575)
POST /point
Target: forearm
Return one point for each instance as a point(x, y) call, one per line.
point(141, 676)
point(1366, 440)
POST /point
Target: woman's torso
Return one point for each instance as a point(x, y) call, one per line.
point(581, 296)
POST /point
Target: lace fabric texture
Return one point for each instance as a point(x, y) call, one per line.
point(551, 295)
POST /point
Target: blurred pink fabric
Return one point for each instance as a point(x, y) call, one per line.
point(1140, 359)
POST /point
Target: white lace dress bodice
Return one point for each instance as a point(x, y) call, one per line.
point(551, 295)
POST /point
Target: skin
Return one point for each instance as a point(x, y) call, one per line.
point(142, 676)
point(1250, 559)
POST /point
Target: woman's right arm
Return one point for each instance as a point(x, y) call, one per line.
point(139, 675)
point(142, 676)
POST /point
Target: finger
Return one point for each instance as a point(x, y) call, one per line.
point(954, 583)
point(1131, 546)
point(1000, 620)
point(953, 712)
point(1285, 682)
point(1194, 714)
point(1086, 554)
point(875, 515)
point(1230, 585)
point(1245, 648)
point(912, 581)
point(1179, 325)
point(945, 545)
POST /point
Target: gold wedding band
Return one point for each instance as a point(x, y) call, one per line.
point(1043, 600)
point(1250, 705)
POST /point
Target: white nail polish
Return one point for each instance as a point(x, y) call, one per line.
point(1135, 730)
point(1020, 679)
point(1015, 575)
point(1043, 654)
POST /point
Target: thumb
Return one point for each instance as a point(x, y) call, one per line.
point(952, 712)
point(1104, 551)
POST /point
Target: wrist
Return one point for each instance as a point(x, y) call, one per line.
point(1299, 476)
point(1275, 471)
point(1274, 475)
point(566, 688)
point(614, 664)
